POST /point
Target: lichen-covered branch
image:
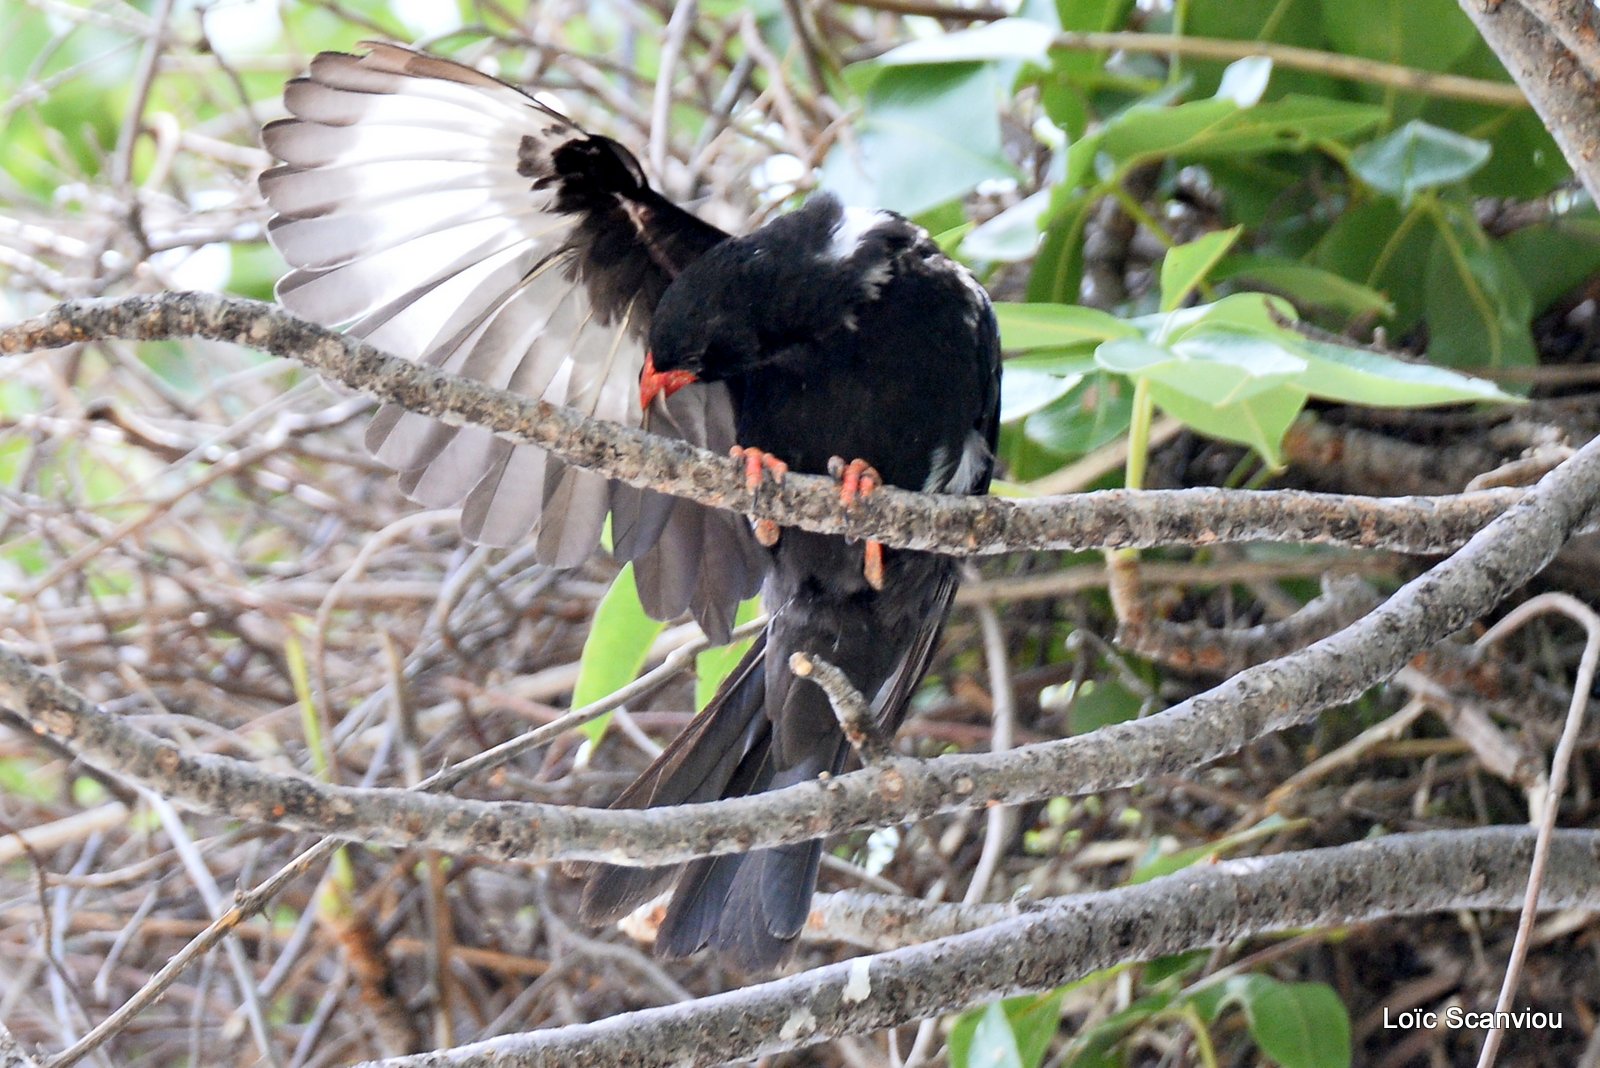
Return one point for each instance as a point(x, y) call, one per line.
point(1550, 51)
point(1267, 698)
point(1056, 942)
point(956, 525)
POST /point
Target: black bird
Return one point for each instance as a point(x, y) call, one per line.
point(453, 219)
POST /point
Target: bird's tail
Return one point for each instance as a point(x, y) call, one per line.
point(751, 906)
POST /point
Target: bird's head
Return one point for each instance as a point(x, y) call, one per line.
point(702, 330)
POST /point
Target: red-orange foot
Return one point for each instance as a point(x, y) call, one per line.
point(758, 465)
point(857, 481)
point(872, 567)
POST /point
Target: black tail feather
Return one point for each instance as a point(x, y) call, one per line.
point(702, 764)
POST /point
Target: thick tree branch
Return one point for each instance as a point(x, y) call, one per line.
point(956, 525)
point(1531, 37)
point(1057, 942)
point(1283, 693)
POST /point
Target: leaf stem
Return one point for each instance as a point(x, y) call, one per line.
point(1139, 434)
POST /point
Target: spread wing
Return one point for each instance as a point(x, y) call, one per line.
point(451, 219)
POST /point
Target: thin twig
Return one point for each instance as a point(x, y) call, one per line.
point(850, 708)
point(1582, 687)
point(248, 904)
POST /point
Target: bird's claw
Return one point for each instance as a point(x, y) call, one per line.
point(758, 466)
point(858, 480)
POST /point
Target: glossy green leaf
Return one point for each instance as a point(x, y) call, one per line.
point(991, 1045)
point(1204, 129)
point(1159, 865)
point(1431, 34)
point(1023, 392)
point(1058, 268)
point(1052, 326)
point(1101, 703)
point(1552, 258)
point(1297, 1025)
point(1306, 285)
point(1478, 310)
point(1416, 157)
point(1259, 20)
point(1073, 360)
point(1092, 414)
point(1186, 266)
point(1385, 247)
point(1214, 367)
point(619, 640)
point(944, 112)
point(1014, 1033)
point(1011, 236)
point(1356, 376)
point(1011, 38)
point(1259, 421)
point(1244, 313)
point(1245, 81)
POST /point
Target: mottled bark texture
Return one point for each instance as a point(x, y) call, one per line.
point(1269, 697)
point(957, 525)
point(1550, 49)
point(1056, 942)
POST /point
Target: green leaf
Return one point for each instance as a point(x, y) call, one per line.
point(1158, 865)
point(1188, 265)
point(1245, 81)
point(1215, 367)
point(1053, 326)
point(1259, 421)
point(1014, 1033)
point(993, 1043)
point(1011, 236)
point(1095, 412)
point(1297, 1025)
point(944, 112)
point(1058, 268)
point(1553, 258)
point(1023, 392)
point(1144, 131)
point(1307, 286)
point(1383, 246)
point(714, 665)
point(1259, 20)
point(1478, 310)
point(1243, 313)
point(619, 640)
point(1075, 360)
point(1100, 704)
point(1431, 34)
point(1207, 129)
point(1416, 157)
point(1356, 376)
point(1011, 38)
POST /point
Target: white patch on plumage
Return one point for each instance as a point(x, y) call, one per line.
point(854, 225)
point(403, 212)
point(958, 474)
point(980, 296)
